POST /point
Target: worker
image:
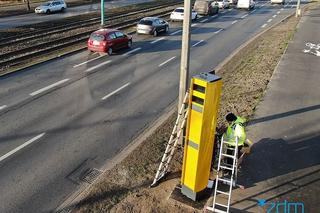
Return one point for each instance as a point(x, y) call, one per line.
point(235, 129)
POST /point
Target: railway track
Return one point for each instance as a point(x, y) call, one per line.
point(19, 49)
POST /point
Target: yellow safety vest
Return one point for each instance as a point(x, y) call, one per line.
point(236, 129)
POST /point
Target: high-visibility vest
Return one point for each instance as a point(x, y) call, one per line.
point(236, 129)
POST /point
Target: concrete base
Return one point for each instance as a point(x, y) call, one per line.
point(199, 202)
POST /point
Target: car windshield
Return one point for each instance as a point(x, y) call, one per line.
point(145, 22)
point(178, 10)
point(46, 4)
point(96, 37)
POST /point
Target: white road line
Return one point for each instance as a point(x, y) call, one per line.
point(176, 32)
point(132, 51)
point(97, 66)
point(244, 16)
point(218, 31)
point(197, 43)
point(114, 92)
point(21, 146)
point(88, 61)
point(274, 16)
point(269, 20)
point(281, 9)
point(253, 11)
point(49, 87)
point(292, 6)
point(155, 41)
point(170, 59)
point(223, 11)
point(213, 16)
point(193, 25)
point(230, 9)
point(263, 5)
point(204, 20)
point(2, 107)
point(234, 22)
point(278, 12)
point(263, 26)
point(285, 6)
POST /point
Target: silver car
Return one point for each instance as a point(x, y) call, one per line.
point(51, 6)
point(152, 26)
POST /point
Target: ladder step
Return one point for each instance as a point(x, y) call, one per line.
point(228, 156)
point(222, 192)
point(226, 167)
point(226, 142)
point(219, 204)
point(230, 148)
point(224, 180)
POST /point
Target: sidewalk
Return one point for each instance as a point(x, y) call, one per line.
point(285, 160)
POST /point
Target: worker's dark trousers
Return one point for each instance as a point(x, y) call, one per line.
point(231, 152)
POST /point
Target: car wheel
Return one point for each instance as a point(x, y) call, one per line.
point(62, 9)
point(129, 45)
point(110, 51)
point(167, 29)
point(155, 33)
point(48, 12)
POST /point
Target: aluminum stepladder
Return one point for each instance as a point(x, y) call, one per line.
point(223, 180)
point(173, 141)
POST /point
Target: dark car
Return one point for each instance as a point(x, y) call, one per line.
point(206, 7)
point(108, 40)
point(152, 26)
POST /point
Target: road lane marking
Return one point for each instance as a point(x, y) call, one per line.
point(274, 16)
point(292, 6)
point(278, 12)
point(197, 43)
point(281, 9)
point(132, 51)
point(213, 16)
point(193, 25)
point(269, 20)
point(263, 5)
point(176, 32)
point(263, 26)
point(97, 66)
point(49, 87)
point(253, 11)
point(223, 11)
point(218, 31)
point(114, 92)
point(21, 146)
point(2, 107)
point(167, 61)
point(230, 9)
point(88, 61)
point(155, 41)
point(204, 20)
point(234, 22)
point(244, 16)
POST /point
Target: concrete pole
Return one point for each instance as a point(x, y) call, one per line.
point(102, 12)
point(298, 10)
point(185, 52)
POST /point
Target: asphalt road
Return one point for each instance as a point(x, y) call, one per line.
point(60, 118)
point(27, 19)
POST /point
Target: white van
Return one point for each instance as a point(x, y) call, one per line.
point(245, 4)
point(277, 1)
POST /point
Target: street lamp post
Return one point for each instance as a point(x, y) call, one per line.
point(298, 10)
point(102, 12)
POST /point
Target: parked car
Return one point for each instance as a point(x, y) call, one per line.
point(223, 4)
point(246, 4)
point(51, 6)
point(152, 26)
point(206, 7)
point(178, 13)
point(108, 40)
point(277, 1)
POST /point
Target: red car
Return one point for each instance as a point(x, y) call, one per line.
point(108, 40)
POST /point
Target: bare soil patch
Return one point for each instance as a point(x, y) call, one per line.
point(125, 187)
